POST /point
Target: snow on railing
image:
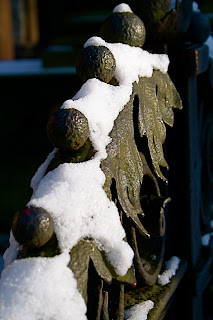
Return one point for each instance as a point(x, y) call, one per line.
point(76, 214)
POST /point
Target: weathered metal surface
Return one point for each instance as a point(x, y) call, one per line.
point(125, 27)
point(68, 130)
point(33, 227)
point(80, 257)
point(95, 62)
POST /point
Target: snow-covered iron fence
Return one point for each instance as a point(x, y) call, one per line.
point(96, 240)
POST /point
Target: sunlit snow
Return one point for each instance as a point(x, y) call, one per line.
point(122, 7)
point(40, 289)
point(139, 311)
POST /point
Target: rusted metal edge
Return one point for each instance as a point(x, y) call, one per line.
point(197, 59)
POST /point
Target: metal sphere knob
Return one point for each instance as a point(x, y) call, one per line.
point(124, 27)
point(68, 129)
point(96, 62)
point(32, 226)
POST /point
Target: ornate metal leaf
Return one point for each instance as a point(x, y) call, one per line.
point(80, 257)
point(157, 96)
point(124, 165)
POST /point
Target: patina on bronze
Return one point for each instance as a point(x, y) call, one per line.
point(33, 227)
point(95, 62)
point(124, 27)
point(68, 129)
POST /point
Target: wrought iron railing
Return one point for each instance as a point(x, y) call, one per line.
point(124, 148)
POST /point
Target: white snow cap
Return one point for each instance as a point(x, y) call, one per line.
point(172, 266)
point(122, 7)
point(74, 196)
point(139, 311)
point(132, 62)
point(95, 41)
point(40, 288)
